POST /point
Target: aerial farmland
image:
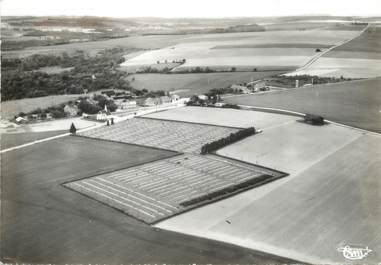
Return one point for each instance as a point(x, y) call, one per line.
point(248, 140)
point(281, 50)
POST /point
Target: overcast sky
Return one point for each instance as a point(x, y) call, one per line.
point(190, 8)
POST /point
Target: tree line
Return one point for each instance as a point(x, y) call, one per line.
point(232, 138)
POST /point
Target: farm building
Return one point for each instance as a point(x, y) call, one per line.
point(20, 120)
point(258, 85)
point(241, 88)
point(125, 104)
point(101, 116)
point(175, 98)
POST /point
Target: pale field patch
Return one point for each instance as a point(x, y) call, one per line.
point(346, 67)
point(291, 147)
point(224, 117)
point(330, 201)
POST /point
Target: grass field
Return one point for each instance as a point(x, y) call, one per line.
point(14, 139)
point(354, 103)
point(224, 117)
point(158, 190)
point(190, 84)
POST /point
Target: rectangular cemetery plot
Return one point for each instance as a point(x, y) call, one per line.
point(160, 189)
point(171, 135)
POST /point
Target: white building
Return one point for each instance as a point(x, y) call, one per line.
point(175, 98)
point(258, 85)
point(101, 116)
point(240, 88)
point(203, 97)
point(125, 104)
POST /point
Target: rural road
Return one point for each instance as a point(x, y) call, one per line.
point(140, 113)
point(320, 54)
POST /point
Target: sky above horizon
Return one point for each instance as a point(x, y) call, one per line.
point(190, 8)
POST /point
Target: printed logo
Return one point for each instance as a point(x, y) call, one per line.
point(354, 253)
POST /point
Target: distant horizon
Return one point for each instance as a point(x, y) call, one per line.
point(191, 9)
point(226, 17)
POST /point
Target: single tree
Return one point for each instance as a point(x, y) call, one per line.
point(73, 130)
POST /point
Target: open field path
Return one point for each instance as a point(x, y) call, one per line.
point(320, 54)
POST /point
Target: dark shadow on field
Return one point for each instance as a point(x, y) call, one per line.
point(312, 124)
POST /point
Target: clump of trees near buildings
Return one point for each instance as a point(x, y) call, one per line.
point(232, 138)
point(21, 78)
point(289, 81)
point(82, 105)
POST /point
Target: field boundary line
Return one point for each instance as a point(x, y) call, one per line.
point(34, 142)
point(354, 128)
point(299, 114)
point(48, 139)
point(189, 122)
point(218, 157)
point(122, 168)
point(273, 110)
